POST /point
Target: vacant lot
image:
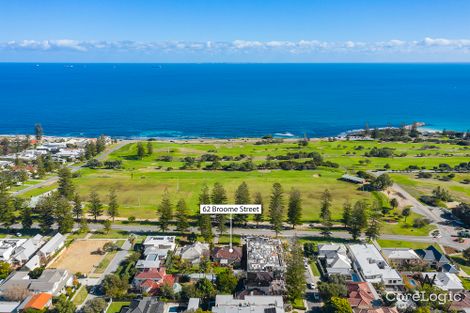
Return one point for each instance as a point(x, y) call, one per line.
point(80, 256)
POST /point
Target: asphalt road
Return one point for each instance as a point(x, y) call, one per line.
point(433, 213)
point(287, 233)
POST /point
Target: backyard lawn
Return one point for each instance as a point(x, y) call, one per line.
point(80, 296)
point(116, 307)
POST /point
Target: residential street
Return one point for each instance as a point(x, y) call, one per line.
point(292, 233)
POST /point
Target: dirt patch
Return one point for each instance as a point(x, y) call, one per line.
point(450, 250)
point(80, 256)
point(402, 200)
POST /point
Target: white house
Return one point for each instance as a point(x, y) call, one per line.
point(8, 247)
point(33, 263)
point(334, 259)
point(24, 252)
point(401, 256)
point(444, 281)
point(250, 304)
point(52, 246)
point(161, 242)
point(194, 253)
point(159, 245)
point(150, 261)
point(372, 266)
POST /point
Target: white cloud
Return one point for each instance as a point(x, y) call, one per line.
point(443, 42)
point(291, 47)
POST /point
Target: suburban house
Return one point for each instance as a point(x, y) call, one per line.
point(400, 257)
point(334, 260)
point(151, 280)
point(226, 256)
point(52, 281)
point(265, 265)
point(444, 281)
point(433, 257)
point(33, 263)
point(38, 301)
point(264, 255)
point(150, 261)
point(194, 277)
point(362, 295)
point(250, 304)
point(161, 242)
point(194, 253)
point(8, 247)
point(52, 246)
point(145, 305)
point(372, 266)
point(24, 252)
point(159, 245)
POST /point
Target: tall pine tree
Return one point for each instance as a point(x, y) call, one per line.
point(259, 200)
point(347, 207)
point(294, 210)
point(219, 196)
point(77, 209)
point(295, 273)
point(325, 212)
point(45, 210)
point(182, 223)
point(374, 224)
point(66, 187)
point(63, 215)
point(205, 225)
point(358, 219)
point(276, 208)
point(113, 205)
point(165, 212)
point(242, 196)
point(96, 207)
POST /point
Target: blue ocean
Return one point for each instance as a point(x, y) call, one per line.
point(229, 100)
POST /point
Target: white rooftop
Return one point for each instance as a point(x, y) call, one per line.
point(160, 242)
point(444, 281)
point(372, 264)
point(400, 254)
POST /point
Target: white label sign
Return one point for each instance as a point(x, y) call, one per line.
point(230, 209)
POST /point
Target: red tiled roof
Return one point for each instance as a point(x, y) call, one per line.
point(224, 253)
point(360, 295)
point(151, 285)
point(38, 301)
point(152, 273)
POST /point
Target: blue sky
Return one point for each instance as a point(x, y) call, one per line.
point(235, 31)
